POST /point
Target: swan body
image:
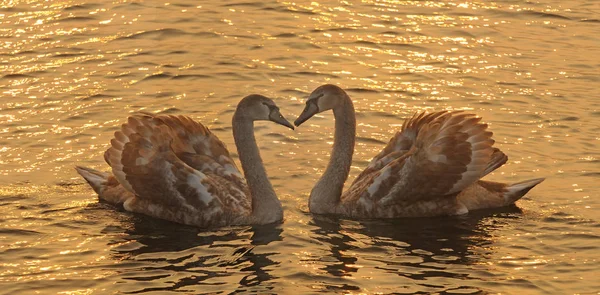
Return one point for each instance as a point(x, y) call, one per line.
point(431, 167)
point(174, 168)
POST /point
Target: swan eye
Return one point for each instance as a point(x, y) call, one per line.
point(314, 99)
point(271, 107)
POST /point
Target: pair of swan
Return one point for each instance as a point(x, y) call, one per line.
point(174, 168)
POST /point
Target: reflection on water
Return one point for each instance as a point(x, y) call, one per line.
point(71, 71)
point(416, 250)
point(177, 258)
point(56, 244)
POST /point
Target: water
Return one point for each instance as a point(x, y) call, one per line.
point(71, 71)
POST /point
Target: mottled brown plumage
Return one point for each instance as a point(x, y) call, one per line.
point(433, 159)
point(174, 168)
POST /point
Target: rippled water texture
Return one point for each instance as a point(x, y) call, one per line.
point(71, 71)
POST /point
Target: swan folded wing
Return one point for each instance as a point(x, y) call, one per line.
point(449, 151)
point(143, 160)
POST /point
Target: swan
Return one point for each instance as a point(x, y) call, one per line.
point(431, 167)
point(174, 168)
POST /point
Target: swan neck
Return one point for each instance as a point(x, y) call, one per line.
point(266, 207)
point(326, 194)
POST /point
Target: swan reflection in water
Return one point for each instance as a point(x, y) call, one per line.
point(427, 250)
point(170, 257)
point(167, 256)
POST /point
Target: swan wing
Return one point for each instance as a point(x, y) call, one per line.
point(194, 144)
point(144, 159)
point(497, 159)
point(434, 155)
point(191, 138)
point(399, 144)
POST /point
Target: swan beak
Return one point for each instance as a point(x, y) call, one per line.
point(310, 110)
point(278, 118)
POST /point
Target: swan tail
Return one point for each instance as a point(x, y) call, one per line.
point(516, 191)
point(96, 179)
point(105, 185)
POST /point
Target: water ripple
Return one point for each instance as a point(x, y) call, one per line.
point(72, 73)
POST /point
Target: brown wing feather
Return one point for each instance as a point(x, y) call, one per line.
point(191, 137)
point(400, 143)
point(144, 162)
point(496, 161)
point(434, 155)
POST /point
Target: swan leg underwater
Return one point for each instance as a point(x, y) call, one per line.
point(174, 168)
point(433, 166)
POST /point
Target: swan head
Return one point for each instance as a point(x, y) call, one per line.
point(256, 107)
point(325, 97)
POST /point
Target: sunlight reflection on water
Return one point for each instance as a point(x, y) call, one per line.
point(72, 72)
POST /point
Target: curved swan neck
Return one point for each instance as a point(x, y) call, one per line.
point(266, 207)
point(326, 194)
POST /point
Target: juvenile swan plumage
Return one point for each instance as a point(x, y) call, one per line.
point(174, 168)
point(432, 166)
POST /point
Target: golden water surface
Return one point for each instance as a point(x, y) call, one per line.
point(71, 72)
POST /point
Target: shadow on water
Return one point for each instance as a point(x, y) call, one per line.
point(183, 258)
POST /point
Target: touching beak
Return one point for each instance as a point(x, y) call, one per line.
point(310, 110)
point(276, 117)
